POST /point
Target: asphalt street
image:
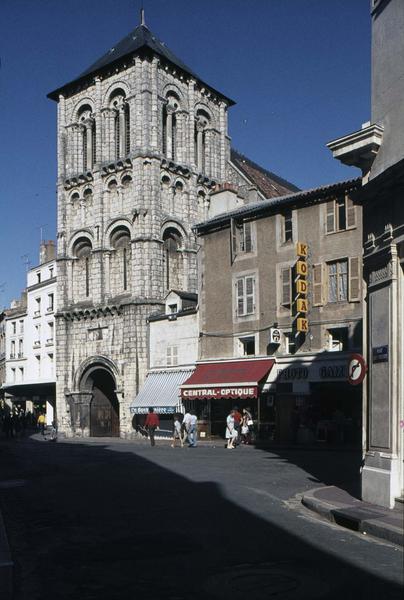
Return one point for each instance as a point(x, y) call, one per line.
point(118, 520)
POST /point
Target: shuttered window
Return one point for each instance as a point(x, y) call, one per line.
point(318, 285)
point(172, 356)
point(350, 213)
point(354, 279)
point(340, 214)
point(286, 286)
point(330, 225)
point(245, 292)
point(247, 238)
point(241, 238)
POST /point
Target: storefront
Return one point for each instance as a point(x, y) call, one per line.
point(310, 400)
point(216, 387)
point(161, 391)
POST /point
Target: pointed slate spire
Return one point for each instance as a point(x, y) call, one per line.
point(138, 41)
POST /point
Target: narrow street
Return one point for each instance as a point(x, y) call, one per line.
point(118, 520)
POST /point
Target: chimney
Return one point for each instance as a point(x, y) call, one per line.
point(46, 251)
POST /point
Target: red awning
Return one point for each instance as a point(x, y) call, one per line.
point(233, 379)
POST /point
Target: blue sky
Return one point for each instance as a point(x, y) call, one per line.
point(299, 71)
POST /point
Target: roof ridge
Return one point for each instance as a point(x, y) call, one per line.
point(276, 178)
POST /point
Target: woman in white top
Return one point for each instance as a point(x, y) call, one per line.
point(231, 433)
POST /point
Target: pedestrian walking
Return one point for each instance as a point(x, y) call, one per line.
point(151, 424)
point(193, 426)
point(186, 422)
point(41, 423)
point(247, 425)
point(231, 432)
point(237, 424)
point(177, 434)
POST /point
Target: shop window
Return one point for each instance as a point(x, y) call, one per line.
point(245, 294)
point(247, 346)
point(287, 227)
point(340, 215)
point(338, 339)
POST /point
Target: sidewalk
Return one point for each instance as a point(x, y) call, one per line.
point(6, 564)
point(338, 506)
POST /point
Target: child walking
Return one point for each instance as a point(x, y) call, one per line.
point(177, 432)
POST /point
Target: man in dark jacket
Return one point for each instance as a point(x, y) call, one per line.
point(151, 424)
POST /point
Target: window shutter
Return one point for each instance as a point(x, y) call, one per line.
point(286, 286)
point(318, 285)
point(249, 293)
point(354, 279)
point(247, 237)
point(350, 213)
point(330, 223)
point(240, 297)
point(233, 239)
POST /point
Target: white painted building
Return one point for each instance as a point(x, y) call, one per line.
point(173, 350)
point(30, 339)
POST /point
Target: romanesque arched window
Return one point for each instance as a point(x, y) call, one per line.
point(121, 123)
point(88, 136)
point(82, 251)
point(173, 271)
point(202, 121)
point(170, 126)
point(120, 260)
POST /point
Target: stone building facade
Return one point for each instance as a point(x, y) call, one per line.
point(252, 309)
point(378, 150)
point(142, 141)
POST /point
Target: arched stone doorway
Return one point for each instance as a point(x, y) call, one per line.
point(104, 405)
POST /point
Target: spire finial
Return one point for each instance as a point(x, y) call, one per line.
point(142, 21)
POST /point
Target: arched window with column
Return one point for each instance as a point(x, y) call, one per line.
point(120, 260)
point(121, 123)
point(202, 121)
point(172, 259)
point(88, 136)
point(81, 284)
point(170, 108)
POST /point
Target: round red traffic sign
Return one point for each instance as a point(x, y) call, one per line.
point(356, 369)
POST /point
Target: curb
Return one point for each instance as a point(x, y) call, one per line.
point(6, 564)
point(343, 517)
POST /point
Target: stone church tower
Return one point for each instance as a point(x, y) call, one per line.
point(142, 141)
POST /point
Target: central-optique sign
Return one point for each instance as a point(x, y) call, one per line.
point(219, 392)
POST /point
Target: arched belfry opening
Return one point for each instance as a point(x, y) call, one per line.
point(104, 404)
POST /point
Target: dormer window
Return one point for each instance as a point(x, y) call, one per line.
point(173, 308)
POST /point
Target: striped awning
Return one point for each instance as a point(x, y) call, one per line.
point(161, 390)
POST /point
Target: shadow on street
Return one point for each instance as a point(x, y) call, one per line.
point(87, 522)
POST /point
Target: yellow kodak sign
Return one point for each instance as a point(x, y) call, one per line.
point(302, 249)
point(301, 286)
point(301, 268)
point(302, 325)
point(302, 305)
